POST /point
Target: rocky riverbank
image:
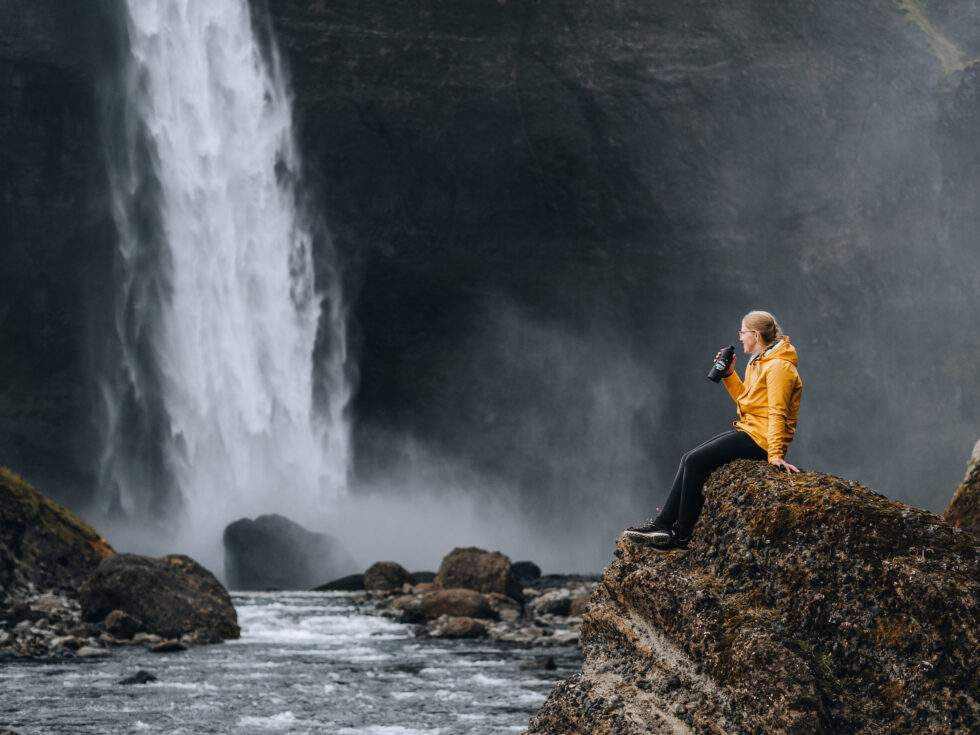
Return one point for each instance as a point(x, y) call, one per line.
point(66, 594)
point(477, 594)
point(804, 604)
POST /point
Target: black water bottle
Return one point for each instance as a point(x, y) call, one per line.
point(720, 367)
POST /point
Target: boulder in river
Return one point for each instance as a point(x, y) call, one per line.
point(42, 543)
point(172, 596)
point(805, 603)
point(526, 571)
point(386, 576)
point(963, 510)
point(432, 604)
point(350, 583)
point(476, 569)
point(457, 627)
point(273, 552)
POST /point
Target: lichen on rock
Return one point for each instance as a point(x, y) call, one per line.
point(806, 603)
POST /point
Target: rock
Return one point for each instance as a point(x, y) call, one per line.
point(121, 624)
point(580, 601)
point(150, 638)
point(386, 576)
point(91, 652)
point(540, 663)
point(168, 646)
point(526, 571)
point(172, 595)
point(65, 641)
point(483, 571)
point(43, 545)
point(506, 608)
point(273, 552)
point(453, 602)
point(422, 577)
point(140, 677)
point(350, 583)
point(457, 627)
point(556, 602)
point(963, 510)
point(805, 603)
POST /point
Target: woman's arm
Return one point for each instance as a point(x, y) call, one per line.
point(732, 383)
point(780, 378)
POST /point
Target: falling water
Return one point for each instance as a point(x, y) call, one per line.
point(209, 411)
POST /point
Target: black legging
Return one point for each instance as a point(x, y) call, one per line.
point(686, 497)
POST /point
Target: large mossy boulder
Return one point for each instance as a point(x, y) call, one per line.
point(274, 552)
point(476, 569)
point(172, 596)
point(963, 510)
point(41, 542)
point(804, 604)
point(386, 576)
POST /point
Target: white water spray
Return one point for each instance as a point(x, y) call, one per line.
point(235, 324)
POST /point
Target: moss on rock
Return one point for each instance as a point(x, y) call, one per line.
point(43, 543)
point(806, 603)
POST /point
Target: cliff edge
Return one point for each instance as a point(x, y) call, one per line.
point(805, 604)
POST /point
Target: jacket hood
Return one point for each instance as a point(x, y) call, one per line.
point(782, 350)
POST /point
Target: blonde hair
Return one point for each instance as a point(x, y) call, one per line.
point(765, 324)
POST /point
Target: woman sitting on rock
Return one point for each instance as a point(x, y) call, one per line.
point(768, 403)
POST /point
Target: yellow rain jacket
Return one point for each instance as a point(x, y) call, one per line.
point(768, 400)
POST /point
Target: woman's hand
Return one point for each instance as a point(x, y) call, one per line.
point(780, 462)
point(731, 368)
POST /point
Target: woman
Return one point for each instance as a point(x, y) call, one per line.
point(768, 403)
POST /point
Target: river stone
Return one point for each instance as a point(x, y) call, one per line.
point(526, 571)
point(172, 595)
point(556, 602)
point(121, 624)
point(168, 646)
point(386, 576)
point(350, 583)
point(91, 652)
point(432, 604)
point(140, 677)
point(274, 552)
point(457, 627)
point(483, 571)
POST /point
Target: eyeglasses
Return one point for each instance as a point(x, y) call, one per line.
point(745, 331)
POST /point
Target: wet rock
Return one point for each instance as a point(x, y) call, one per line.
point(121, 624)
point(91, 652)
point(386, 576)
point(556, 602)
point(526, 571)
point(171, 645)
point(350, 583)
point(457, 627)
point(149, 638)
point(506, 608)
point(483, 571)
point(805, 603)
point(436, 603)
point(172, 595)
point(580, 601)
point(274, 552)
point(43, 545)
point(65, 641)
point(540, 663)
point(963, 510)
point(140, 677)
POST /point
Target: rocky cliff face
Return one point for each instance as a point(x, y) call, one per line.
point(804, 604)
point(963, 510)
point(532, 200)
point(520, 186)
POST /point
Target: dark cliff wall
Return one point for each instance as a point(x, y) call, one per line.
point(559, 210)
point(55, 233)
point(551, 215)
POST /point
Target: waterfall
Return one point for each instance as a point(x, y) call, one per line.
point(209, 408)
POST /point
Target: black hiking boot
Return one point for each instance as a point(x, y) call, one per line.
point(648, 532)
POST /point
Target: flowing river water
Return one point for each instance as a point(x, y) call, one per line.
point(306, 662)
